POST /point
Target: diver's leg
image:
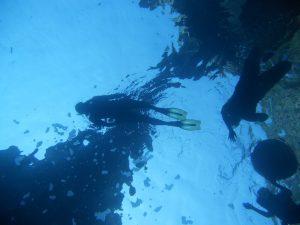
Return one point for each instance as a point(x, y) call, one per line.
point(190, 125)
point(256, 117)
point(135, 104)
point(134, 117)
point(249, 113)
point(272, 76)
point(146, 105)
point(174, 113)
point(153, 121)
point(133, 107)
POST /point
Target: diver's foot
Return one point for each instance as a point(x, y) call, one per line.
point(177, 114)
point(190, 125)
point(261, 117)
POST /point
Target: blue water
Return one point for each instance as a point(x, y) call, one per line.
point(55, 54)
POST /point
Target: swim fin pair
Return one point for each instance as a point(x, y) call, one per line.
point(186, 124)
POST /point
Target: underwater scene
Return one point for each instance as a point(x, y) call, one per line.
point(143, 112)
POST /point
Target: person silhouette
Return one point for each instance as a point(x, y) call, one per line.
point(111, 110)
point(280, 205)
point(250, 89)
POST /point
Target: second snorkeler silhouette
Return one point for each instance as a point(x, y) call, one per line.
point(250, 89)
point(280, 205)
point(111, 110)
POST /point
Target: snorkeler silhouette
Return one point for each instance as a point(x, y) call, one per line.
point(280, 205)
point(111, 110)
point(250, 89)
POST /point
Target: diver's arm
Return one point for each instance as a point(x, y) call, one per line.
point(261, 212)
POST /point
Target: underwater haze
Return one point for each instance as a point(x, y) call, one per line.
point(162, 151)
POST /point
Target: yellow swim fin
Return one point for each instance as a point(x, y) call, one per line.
point(190, 125)
point(177, 114)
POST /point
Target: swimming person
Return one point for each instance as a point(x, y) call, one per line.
point(110, 110)
point(250, 89)
point(280, 205)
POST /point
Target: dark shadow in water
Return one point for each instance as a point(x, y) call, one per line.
point(79, 177)
point(73, 181)
point(220, 34)
point(275, 160)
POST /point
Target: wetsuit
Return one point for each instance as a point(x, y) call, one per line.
point(110, 110)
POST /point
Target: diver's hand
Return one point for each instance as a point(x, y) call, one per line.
point(248, 205)
point(232, 136)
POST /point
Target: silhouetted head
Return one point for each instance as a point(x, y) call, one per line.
point(81, 108)
point(230, 117)
point(265, 198)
